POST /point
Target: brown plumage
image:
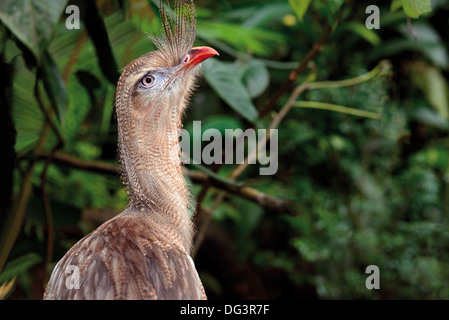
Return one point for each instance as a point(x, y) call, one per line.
point(143, 253)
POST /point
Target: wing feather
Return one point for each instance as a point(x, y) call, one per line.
point(125, 260)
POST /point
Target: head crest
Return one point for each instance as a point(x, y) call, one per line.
point(178, 30)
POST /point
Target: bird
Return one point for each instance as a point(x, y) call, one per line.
point(144, 252)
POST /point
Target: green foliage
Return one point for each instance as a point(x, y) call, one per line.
point(412, 8)
point(32, 21)
point(55, 86)
point(299, 7)
point(226, 81)
point(19, 266)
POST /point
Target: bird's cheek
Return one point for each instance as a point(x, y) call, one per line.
point(142, 106)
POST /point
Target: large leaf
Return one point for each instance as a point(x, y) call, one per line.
point(226, 82)
point(32, 21)
point(395, 5)
point(429, 43)
point(27, 117)
point(98, 33)
point(265, 15)
point(415, 8)
point(299, 7)
point(361, 30)
point(258, 41)
point(55, 86)
point(432, 82)
point(19, 265)
point(255, 77)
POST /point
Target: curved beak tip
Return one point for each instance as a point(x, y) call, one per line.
point(199, 54)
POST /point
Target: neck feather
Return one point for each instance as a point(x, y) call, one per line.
point(151, 169)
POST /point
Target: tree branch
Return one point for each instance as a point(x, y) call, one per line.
point(86, 165)
point(294, 74)
point(251, 194)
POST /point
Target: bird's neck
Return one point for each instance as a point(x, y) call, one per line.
point(149, 152)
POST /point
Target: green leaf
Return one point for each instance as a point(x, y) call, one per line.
point(299, 7)
point(430, 43)
point(432, 82)
point(265, 15)
point(430, 117)
point(257, 41)
point(436, 157)
point(78, 108)
point(19, 265)
point(225, 80)
point(99, 34)
point(334, 5)
point(327, 8)
point(55, 86)
point(255, 77)
point(32, 21)
point(337, 108)
point(361, 30)
point(27, 117)
point(415, 8)
point(395, 5)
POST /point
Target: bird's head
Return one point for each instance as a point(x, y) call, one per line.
point(152, 79)
point(164, 78)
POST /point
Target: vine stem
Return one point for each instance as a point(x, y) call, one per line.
point(269, 105)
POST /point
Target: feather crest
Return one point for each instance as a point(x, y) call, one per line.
point(179, 25)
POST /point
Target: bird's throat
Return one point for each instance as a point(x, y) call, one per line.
point(149, 154)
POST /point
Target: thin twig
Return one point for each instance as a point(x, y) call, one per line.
point(273, 125)
point(48, 216)
point(196, 176)
point(246, 192)
point(338, 108)
point(43, 187)
point(47, 113)
point(75, 55)
point(294, 74)
point(410, 29)
point(15, 219)
point(86, 165)
point(239, 169)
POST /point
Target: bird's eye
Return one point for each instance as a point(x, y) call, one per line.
point(147, 80)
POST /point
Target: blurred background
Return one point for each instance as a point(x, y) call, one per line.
point(362, 117)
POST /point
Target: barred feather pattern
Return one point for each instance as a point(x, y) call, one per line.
point(123, 259)
point(179, 27)
point(143, 253)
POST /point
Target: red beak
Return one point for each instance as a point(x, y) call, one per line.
point(199, 54)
